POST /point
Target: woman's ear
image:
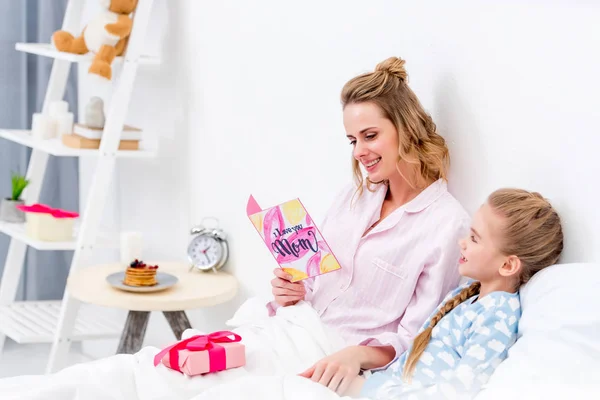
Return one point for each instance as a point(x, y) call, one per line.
point(511, 267)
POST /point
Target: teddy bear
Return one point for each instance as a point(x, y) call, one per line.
point(105, 35)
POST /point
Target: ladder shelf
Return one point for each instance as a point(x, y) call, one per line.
point(61, 322)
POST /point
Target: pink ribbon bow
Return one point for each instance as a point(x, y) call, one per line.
point(44, 209)
point(216, 353)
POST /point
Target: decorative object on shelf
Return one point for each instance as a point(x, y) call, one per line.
point(88, 135)
point(57, 122)
point(64, 124)
point(48, 224)
point(208, 249)
point(62, 119)
point(129, 133)
point(8, 208)
point(202, 354)
point(94, 114)
point(57, 108)
point(105, 35)
point(42, 127)
point(131, 244)
point(79, 142)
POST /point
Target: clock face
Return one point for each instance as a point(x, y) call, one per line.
point(205, 251)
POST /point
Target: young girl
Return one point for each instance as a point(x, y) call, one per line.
point(514, 235)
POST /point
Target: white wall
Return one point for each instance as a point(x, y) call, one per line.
point(255, 88)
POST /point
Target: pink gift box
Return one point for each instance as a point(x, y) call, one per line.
point(204, 353)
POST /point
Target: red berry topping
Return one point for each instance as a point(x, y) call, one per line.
point(137, 264)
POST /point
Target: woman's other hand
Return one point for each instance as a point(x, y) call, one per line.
point(286, 293)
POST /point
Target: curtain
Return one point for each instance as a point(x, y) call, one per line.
point(23, 81)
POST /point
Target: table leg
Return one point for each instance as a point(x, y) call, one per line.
point(133, 333)
point(178, 321)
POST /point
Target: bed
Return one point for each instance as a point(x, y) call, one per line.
point(557, 354)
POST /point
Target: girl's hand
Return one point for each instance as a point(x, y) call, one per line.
point(286, 293)
point(337, 371)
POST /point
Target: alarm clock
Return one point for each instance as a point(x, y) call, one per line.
point(208, 249)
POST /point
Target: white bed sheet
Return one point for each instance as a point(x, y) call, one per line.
point(276, 350)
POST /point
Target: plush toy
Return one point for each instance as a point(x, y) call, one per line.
point(105, 35)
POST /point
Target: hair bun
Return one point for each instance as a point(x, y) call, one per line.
point(393, 66)
point(545, 208)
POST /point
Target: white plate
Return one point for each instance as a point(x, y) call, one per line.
point(164, 280)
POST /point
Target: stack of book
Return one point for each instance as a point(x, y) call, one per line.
point(86, 137)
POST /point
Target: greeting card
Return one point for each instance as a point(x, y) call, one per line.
point(293, 239)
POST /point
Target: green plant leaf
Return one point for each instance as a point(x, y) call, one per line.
point(19, 183)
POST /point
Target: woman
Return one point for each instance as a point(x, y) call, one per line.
point(394, 232)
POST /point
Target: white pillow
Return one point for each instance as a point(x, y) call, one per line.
point(559, 331)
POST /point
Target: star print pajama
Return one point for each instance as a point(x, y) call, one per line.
point(465, 348)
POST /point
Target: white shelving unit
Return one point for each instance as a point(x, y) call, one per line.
point(55, 147)
point(36, 322)
point(17, 232)
point(46, 50)
point(105, 240)
point(61, 322)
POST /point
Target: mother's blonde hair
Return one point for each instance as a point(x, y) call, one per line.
point(530, 230)
point(419, 143)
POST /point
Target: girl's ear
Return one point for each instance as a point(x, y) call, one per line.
point(511, 267)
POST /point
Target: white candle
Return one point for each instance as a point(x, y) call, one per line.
point(131, 247)
point(42, 126)
point(57, 108)
point(64, 124)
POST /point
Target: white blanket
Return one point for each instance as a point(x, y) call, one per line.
point(277, 349)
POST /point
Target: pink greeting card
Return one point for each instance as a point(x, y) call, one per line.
point(293, 239)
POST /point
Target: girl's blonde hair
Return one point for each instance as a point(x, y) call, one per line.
point(531, 230)
point(419, 143)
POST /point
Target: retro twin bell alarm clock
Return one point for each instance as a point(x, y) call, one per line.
point(208, 248)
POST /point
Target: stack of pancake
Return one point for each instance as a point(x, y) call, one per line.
point(139, 273)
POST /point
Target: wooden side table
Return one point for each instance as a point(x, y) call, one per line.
point(195, 289)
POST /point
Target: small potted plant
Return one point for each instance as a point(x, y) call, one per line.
point(8, 208)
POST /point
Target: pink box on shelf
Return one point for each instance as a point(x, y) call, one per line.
point(203, 354)
point(48, 224)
